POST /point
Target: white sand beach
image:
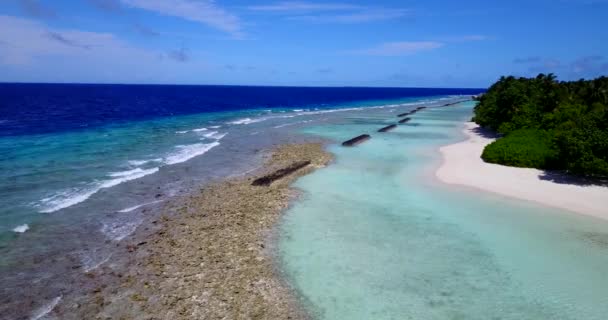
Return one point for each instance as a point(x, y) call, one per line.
point(462, 165)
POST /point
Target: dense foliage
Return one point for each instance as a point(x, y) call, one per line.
point(529, 148)
point(548, 124)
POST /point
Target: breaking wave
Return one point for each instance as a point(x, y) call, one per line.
point(72, 196)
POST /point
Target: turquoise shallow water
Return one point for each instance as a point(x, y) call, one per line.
point(374, 236)
point(69, 198)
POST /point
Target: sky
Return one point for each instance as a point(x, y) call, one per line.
point(382, 43)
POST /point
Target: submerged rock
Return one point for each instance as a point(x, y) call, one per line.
point(388, 128)
point(356, 140)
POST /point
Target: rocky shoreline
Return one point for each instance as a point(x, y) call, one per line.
point(210, 257)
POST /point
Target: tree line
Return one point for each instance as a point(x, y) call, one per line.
point(547, 124)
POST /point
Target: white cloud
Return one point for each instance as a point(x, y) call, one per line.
point(24, 40)
point(203, 11)
point(355, 17)
point(401, 48)
point(35, 52)
point(474, 37)
point(286, 6)
point(330, 12)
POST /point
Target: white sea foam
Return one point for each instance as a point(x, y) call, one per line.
point(70, 197)
point(119, 230)
point(187, 152)
point(126, 173)
point(291, 124)
point(21, 229)
point(92, 264)
point(199, 130)
point(248, 120)
point(138, 163)
point(285, 125)
point(45, 309)
point(138, 206)
point(181, 132)
point(315, 111)
point(215, 135)
point(214, 127)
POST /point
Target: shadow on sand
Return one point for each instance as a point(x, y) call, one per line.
point(553, 176)
point(486, 133)
point(564, 178)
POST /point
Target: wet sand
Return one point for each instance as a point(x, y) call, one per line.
point(210, 257)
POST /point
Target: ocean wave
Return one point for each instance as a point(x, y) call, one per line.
point(215, 127)
point(193, 130)
point(21, 229)
point(187, 152)
point(291, 124)
point(70, 197)
point(247, 120)
point(215, 135)
point(138, 163)
point(45, 309)
point(127, 173)
point(138, 206)
point(315, 111)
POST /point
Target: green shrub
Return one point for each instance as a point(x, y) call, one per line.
point(528, 148)
point(548, 123)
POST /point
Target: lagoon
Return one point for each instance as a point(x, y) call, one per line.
point(375, 236)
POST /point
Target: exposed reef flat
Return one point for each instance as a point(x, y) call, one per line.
point(212, 258)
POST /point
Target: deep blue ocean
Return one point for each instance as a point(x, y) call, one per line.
point(45, 108)
point(62, 143)
point(82, 166)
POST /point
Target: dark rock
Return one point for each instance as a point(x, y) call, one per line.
point(405, 120)
point(356, 140)
point(268, 179)
point(388, 128)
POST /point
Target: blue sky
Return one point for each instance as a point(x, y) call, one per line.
point(467, 43)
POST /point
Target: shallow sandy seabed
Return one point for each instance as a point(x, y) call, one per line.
point(462, 165)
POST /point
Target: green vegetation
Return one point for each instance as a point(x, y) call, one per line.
point(548, 124)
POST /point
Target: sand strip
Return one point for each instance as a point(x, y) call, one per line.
point(462, 165)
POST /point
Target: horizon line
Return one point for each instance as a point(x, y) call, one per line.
point(231, 85)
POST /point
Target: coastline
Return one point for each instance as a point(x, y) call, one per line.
point(462, 165)
point(211, 257)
